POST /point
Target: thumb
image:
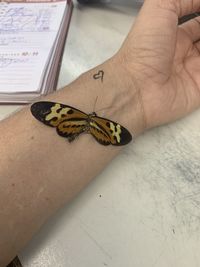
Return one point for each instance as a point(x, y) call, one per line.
point(161, 8)
point(161, 16)
point(179, 7)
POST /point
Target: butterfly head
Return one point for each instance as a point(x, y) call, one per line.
point(93, 114)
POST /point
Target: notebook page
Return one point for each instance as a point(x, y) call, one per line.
point(27, 34)
point(53, 66)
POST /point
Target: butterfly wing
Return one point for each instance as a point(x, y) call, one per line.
point(109, 132)
point(72, 128)
point(15, 263)
point(52, 114)
point(69, 122)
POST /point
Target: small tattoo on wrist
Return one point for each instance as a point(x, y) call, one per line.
point(99, 75)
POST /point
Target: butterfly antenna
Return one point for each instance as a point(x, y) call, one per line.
point(104, 108)
point(95, 104)
point(101, 108)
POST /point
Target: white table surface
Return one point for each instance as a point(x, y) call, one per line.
point(144, 209)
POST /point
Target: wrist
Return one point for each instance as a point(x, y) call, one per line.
point(123, 97)
point(113, 96)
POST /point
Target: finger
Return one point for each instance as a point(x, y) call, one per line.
point(192, 28)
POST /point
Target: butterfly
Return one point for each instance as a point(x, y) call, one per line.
point(71, 122)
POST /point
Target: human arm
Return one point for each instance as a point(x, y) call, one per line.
point(40, 171)
point(131, 95)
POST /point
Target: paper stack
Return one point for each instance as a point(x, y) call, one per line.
point(32, 38)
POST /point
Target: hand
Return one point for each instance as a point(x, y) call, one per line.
point(163, 60)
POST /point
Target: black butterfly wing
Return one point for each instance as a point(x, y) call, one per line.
point(69, 121)
point(52, 114)
point(15, 263)
point(109, 132)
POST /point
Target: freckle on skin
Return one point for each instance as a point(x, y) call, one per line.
point(13, 184)
point(32, 137)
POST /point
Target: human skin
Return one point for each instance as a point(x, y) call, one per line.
point(153, 80)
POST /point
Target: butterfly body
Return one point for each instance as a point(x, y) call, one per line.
point(71, 122)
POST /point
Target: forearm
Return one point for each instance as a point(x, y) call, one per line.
point(40, 171)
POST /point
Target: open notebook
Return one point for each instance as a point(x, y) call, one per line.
point(32, 38)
